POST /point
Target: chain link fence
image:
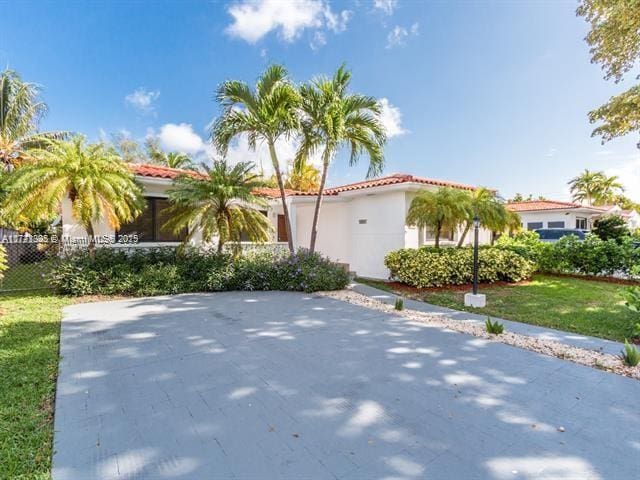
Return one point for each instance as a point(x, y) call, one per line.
point(29, 260)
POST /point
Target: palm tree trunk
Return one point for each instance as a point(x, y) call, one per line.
point(438, 229)
point(285, 209)
point(467, 227)
point(220, 244)
point(316, 213)
point(91, 247)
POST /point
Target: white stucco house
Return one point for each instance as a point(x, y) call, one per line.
point(536, 214)
point(359, 223)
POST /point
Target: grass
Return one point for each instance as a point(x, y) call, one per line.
point(29, 336)
point(27, 276)
point(586, 307)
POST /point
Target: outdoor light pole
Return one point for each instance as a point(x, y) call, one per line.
point(476, 226)
point(475, 299)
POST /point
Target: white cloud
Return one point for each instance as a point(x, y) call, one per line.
point(254, 19)
point(629, 175)
point(386, 6)
point(318, 41)
point(142, 99)
point(551, 152)
point(391, 118)
point(398, 35)
point(181, 138)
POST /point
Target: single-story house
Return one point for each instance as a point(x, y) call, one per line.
point(359, 222)
point(537, 214)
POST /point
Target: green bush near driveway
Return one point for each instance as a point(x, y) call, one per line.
point(591, 256)
point(146, 272)
point(436, 267)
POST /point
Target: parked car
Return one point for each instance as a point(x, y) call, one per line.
point(555, 234)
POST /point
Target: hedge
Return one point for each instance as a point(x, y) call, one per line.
point(591, 256)
point(431, 267)
point(162, 271)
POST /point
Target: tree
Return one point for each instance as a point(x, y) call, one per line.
point(92, 176)
point(303, 177)
point(20, 113)
point(440, 210)
point(333, 118)
point(615, 45)
point(158, 156)
point(222, 203)
point(483, 203)
point(611, 227)
point(264, 114)
point(594, 188)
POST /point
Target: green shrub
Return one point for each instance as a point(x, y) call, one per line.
point(611, 227)
point(591, 256)
point(630, 356)
point(494, 328)
point(399, 305)
point(431, 267)
point(167, 271)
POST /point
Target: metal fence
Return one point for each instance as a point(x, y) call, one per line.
point(29, 260)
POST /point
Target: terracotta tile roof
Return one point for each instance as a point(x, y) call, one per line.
point(275, 192)
point(532, 205)
point(158, 171)
point(393, 180)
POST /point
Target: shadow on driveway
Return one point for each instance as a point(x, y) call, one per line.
point(287, 385)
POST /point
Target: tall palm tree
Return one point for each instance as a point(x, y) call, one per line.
point(92, 176)
point(20, 112)
point(264, 114)
point(221, 204)
point(333, 118)
point(492, 214)
point(440, 210)
point(585, 187)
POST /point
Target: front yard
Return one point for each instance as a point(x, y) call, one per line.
point(29, 336)
point(571, 304)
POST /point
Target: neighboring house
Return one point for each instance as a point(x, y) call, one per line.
point(632, 217)
point(359, 223)
point(536, 214)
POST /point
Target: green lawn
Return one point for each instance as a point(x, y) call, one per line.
point(29, 335)
point(28, 276)
point(570, 304)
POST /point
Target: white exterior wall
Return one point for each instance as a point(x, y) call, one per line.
point(334, 229)
point(566, 216)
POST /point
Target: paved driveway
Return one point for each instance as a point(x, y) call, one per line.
point(286, 385)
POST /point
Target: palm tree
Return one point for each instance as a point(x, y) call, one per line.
point(158, 156)
point(20, 113)
point(440, 210)
point(514, 222)
point(610, 189)
point(492, 214)
point(92, 176)
point(585, 187)
point(333, 118)
point(221, 204)
point(264, 114)
point(303, 177)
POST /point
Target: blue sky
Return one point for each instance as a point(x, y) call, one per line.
point(486, 93)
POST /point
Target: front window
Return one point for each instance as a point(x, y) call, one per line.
point(534, 225)
point(148, 225)
point(556, 224)
point(581, 223)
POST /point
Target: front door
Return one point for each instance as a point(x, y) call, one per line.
point(282, 229)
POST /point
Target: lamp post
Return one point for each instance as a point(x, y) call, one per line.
point(475, 299)
point(476, 227)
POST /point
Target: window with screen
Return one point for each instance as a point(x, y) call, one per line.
point(581, 223)
point(148, 225)
point(556, 224)
point(534, 225)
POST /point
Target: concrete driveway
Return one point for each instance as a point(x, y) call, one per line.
point(287, 385)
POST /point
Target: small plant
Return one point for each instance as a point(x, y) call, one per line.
point(494, 328)
point(630, 355)
point(399, 304)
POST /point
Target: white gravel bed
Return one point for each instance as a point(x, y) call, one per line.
point(583, 356)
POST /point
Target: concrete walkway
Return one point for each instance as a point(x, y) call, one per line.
point(284, 385)
point(575, 339)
